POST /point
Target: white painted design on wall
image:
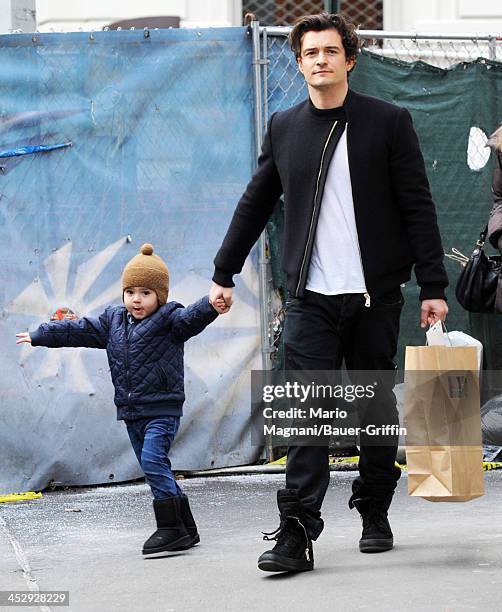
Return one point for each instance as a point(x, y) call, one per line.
point(34, 301)
point(478, 153)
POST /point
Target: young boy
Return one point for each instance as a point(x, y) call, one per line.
point(144, 343)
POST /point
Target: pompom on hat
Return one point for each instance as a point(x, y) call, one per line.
point(147, 270)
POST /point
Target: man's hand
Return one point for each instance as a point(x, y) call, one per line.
point(221, 297)
point(432, 311)
point(23, 337)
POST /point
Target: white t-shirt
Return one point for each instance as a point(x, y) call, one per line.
point(335, 266)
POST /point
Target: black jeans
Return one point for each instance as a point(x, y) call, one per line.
point(321, 332)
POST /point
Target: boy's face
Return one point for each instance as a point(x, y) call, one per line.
point(141, 302)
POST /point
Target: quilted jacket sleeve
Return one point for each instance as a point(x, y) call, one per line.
point(83, 332)
point(190, 321)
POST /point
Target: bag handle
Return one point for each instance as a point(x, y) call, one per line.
point(446, 332)
point(482, 237)
point(462, 259)
point(443, 327)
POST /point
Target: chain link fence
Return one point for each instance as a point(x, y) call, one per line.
point(442, 51)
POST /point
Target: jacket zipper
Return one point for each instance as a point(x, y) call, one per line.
point(126, 357)
point(367, 297)
point(315, 205)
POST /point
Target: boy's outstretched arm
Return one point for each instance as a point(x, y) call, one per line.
point(190, 321)
point(83, 332)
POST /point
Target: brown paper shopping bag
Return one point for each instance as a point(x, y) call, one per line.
point(444, 451)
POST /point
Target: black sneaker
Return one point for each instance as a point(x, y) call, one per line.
point(293, 551)
point(377, 534)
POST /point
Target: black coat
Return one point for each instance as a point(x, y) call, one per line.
point(146, 357)
point(395, 215)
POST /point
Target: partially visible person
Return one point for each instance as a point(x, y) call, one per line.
point(495, 222)
point(144, 341)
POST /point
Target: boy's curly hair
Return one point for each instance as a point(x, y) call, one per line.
point(325, 21)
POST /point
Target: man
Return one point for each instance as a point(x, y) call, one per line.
point(358, 217)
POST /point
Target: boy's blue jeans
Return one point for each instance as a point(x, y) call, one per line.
point(151, 439)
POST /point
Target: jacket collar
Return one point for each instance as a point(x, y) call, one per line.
point(328, 114)
point(346, 111)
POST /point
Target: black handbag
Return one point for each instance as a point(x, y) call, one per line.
point(479, 286)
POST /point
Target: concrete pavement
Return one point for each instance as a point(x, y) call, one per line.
point(448, 557)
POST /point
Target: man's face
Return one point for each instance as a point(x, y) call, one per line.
point(322, 60)
point(140, 301)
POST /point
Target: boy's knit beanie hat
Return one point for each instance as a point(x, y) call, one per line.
point(147, 270)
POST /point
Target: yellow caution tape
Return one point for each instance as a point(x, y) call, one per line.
point(492, 465)
point(281, 461)
point(15, 497)
point(332, 460)
point(487, 465)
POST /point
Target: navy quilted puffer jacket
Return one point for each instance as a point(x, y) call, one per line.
point(145, 357)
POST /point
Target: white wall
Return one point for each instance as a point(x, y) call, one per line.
point(17, 15)
point(443, 15)
point(68, 15)
point(5, 16)
point(399, 15)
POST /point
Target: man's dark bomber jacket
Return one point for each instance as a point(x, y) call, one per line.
point(395, 215)
point(145, 357)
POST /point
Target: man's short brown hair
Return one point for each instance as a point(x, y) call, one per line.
point(325, 21)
